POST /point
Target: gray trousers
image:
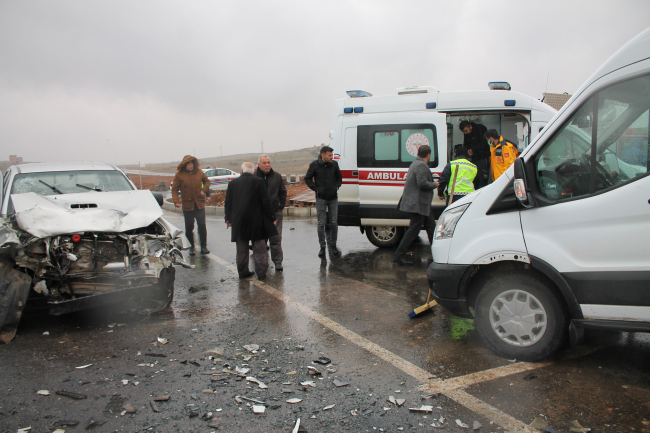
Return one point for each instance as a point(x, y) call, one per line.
point(323, 207)
point(260, 255)
point(275, 242)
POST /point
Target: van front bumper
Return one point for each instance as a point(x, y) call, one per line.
point(444, 281)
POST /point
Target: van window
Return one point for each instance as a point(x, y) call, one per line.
point(611, 130)
point(394, 146)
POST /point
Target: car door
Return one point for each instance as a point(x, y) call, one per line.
point(592, 215)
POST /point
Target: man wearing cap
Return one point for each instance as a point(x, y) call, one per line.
point(458, 175)
point(189, 189)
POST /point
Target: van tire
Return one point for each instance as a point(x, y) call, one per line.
point(384, 236)
point(521, 290)
point(162, 293)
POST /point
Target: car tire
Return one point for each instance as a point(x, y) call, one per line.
point(504, 303)
point(384, 236)
point(163, 291)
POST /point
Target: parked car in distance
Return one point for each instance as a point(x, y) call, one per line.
point(219, 177)
point(80, 236)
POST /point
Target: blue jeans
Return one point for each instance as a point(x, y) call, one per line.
point(322, 208)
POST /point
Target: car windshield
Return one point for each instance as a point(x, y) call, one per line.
point(70, 182)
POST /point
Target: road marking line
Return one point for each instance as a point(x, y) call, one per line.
point(474, 404)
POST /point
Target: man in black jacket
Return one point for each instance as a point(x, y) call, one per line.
point(479, 150)
point(278, 194)
point(249, 213)
point(324, 177)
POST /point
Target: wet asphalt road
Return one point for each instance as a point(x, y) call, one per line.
point(351, 309)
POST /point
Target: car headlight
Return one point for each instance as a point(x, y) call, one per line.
point(447, 222)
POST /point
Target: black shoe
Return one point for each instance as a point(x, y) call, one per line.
point(335, 251)
point(402, 261)
point(246, 275)
point(262, 278)
point(321, 253)
point(278, 267)
point(205, 250)
point(192, 251)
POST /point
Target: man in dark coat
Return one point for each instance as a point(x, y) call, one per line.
point(416, 200)
point(249, 213)
point(278, 194)
point(479, 150)
point(324, 177)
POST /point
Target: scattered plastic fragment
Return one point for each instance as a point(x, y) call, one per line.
point(83, 366)
point(339, 383)
point(574, 426)
point(207, 416)
point(257, 408)
point(392, 400)
point(26, 429)
point(328, 407)
point(354, 412)
point(258, 382)
point(162, 340)
point(323, 360)
point(538, 423)
point(59, 430)
point(217, 351)
point(530, 376)
point(294, 400)
point(423, 408)
point(125, 382)
point(400, 401)
point(297, 426)
point(476, 425)
point(242, 371)
point(162, 398)
point(309, 383)
point(461, 424)
point(313, 371)
point(291, 373)
point(286, 390)
point(43, 392)
point(72, 395)
point(207, 391)
point(253, 348)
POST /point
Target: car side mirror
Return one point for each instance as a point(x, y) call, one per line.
point(522, 190)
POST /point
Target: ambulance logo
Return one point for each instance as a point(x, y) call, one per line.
point(414, 142)
point(337, 157)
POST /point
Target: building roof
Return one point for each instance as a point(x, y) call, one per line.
point(555, 100)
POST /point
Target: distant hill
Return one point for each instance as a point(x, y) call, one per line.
point(287, 162)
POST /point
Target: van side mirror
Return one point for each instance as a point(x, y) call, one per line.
point(521, 185)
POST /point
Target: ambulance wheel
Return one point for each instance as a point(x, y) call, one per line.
point(384, 236)
point(521, 316)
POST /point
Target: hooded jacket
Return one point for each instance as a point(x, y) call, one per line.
point(275, 186)
point(187, 186)
point(477, 142)
point(324, 178)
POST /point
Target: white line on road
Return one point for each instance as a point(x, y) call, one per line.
point(452, 391)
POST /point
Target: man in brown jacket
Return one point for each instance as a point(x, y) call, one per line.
point(188, 190)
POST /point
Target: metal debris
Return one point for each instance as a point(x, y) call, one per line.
point(538, 423)
point(253, 348)
point(83, 366)
point(339, 383)
point(461, 424)
point(423, 408)
point(530, 376)
point(323, 360)
point(217, 351)
point(162, 398)
point(331, 406)
point(258, 382)
point(258, 408)
point(72, 395)
point(476, 425)
point(294, 400)
point(43, 392)
point(574, 426)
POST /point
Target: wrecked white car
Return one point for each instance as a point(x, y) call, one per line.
point(80, 236)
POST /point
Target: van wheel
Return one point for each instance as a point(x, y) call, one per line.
point(162, 293)
point(384, 236)
point(520, 316)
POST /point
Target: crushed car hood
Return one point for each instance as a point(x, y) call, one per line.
point(112, 212)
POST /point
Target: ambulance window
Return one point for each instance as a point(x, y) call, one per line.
point(386, 146)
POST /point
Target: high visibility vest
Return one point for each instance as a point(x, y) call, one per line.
point(464, 178)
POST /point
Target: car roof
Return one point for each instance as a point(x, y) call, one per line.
point(44, 167)
point(215, 168)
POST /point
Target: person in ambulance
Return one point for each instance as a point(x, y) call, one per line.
point(502, 153)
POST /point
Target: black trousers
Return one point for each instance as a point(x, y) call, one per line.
point(417, 221)
point(198, 215)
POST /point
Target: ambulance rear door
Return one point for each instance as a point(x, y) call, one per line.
point(387, 143)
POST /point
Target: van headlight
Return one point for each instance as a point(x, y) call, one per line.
point(447, 222)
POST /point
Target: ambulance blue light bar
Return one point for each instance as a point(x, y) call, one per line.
point(499, 85)
point(358, 109)
point(347, 110)
point(509, 102)
point(431, 105)
point(358, 94)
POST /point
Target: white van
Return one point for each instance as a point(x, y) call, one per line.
point(375, 139)
point(561, 242)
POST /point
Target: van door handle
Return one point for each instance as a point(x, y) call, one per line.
point(356, 173)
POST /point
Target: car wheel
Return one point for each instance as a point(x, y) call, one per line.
point(520, 316)
point(384, 236)
point(162, 292)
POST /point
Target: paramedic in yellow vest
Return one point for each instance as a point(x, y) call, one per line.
point(465, 175)
point(502, 153)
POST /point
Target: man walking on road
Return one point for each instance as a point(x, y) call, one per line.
point(249, 213)
point(189, 187)
point(278, 195)
point(324, 177)
point(416, 200)
point(478, 149)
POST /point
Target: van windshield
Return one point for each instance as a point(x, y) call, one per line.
point(70, 182)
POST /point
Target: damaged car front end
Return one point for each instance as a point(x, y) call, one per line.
point(78, 251)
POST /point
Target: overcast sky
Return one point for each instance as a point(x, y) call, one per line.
point(123, 81)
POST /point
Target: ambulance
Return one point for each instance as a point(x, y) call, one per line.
point(375, 139)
